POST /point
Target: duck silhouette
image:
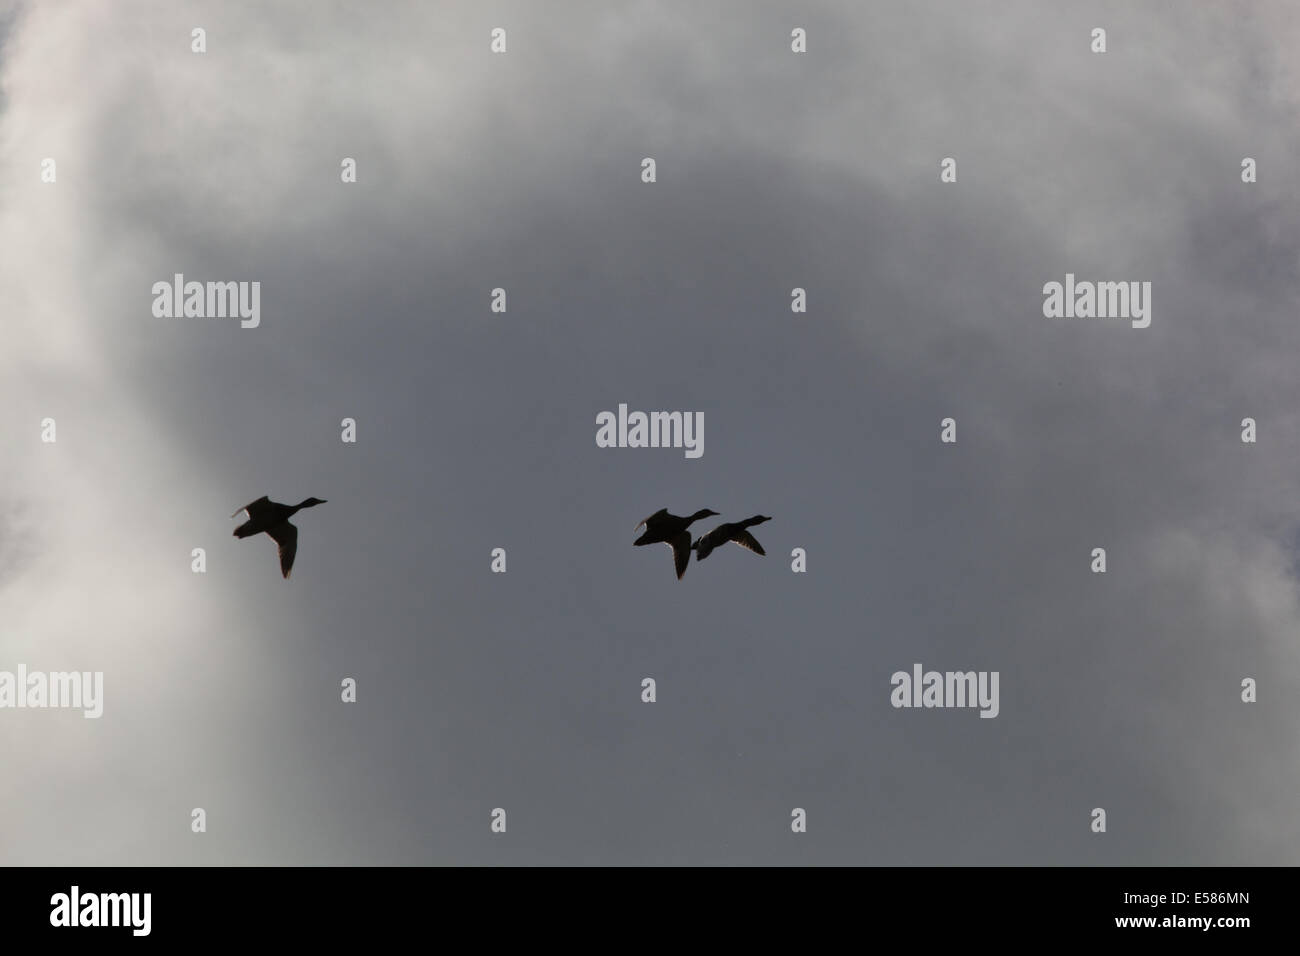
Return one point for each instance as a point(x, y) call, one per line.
point(730, 531)
point(671, 530)
point(271, 517)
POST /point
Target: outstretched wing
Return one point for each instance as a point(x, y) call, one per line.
point(286, 536)
point(681, 552)
point(747, 540)
point(647, 520)
point(254, 508)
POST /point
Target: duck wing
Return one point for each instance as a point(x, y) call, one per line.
point(286, 536)
point(681, 544)
point(646, 521)
point(747, 540)
point(255, 508)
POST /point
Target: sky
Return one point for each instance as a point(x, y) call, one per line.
point(475, 430)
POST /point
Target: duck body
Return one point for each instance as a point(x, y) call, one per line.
point(664, 528)
point(272, 518)
point(736, 531)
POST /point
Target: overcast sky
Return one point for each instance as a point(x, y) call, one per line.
point(476, 431)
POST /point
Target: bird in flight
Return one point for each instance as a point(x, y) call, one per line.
point(265, 515)
point(661, 527)
point(730, 531)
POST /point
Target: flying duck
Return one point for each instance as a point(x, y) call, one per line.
point(671, 530)
point(273, 518)
point(730, 531)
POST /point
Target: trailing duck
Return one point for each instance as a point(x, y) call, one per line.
point(662, 527)
point(272, 518)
